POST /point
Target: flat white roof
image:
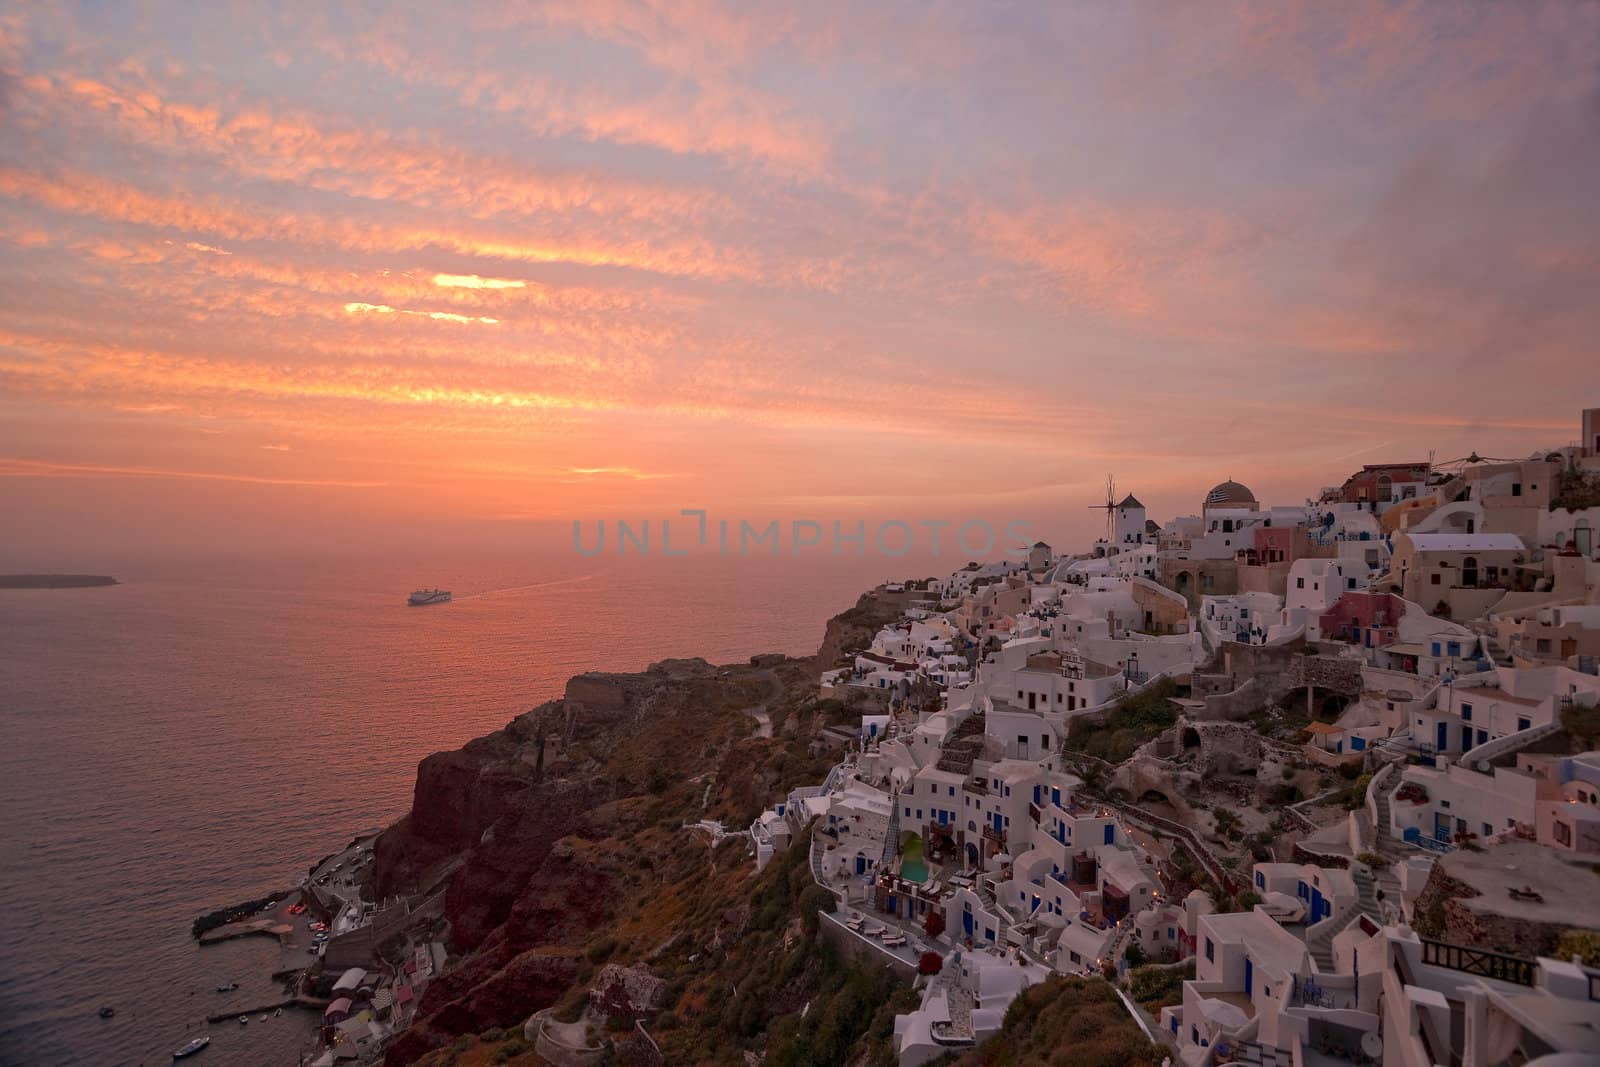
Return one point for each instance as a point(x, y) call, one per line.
point(1463, 542)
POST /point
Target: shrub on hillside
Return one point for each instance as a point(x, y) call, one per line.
point(1158, 987)
point(930, 963)
point(1584, 944)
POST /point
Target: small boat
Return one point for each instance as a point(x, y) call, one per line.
point(227, 987)
point(264, 1017)
point(244, 1020)
point(277, 1013)
point(191, 1048)
point(107, 1012)
point(423, 597)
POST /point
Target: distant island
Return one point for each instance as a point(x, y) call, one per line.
point(54, 581)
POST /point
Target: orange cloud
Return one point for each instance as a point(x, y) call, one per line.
point(473, 281)
point(356, 307)
point(84, 194)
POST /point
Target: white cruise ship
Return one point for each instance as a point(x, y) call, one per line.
point(428, 596)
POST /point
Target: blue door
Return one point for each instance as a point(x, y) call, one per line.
point(1316, 906)
point(966, 920)
point(1111, 833)
point(1249, 976)
point(998, 825)
point(1441, 827)
point(1444, 739)
point(1466, 738)
point(861, 865)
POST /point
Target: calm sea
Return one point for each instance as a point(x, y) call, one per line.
point(200, 734)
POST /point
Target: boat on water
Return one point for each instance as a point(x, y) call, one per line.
point(244, 1020)
point(191, 1048)
point(424, 597)
point(227, 987)
point(108, 1012)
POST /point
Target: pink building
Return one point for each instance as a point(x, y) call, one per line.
point(1367, 619)
point(1279, 544)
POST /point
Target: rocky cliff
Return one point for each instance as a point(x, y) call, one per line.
point(555, 831)
point(851, 631)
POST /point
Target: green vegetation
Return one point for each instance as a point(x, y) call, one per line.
point(1132, 722)
point(1225, 820)
point(1584, 944)
point(1575, 489)
point(1354, 795)
point(1583, 725)
point(1159, 987)
point(1067, 1022)
point(737, 987)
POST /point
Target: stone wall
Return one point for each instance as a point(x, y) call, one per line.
point(1335, 673)
point(853, 946)
point(1441, 913)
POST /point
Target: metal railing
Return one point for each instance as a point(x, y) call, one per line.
point(1481, 962)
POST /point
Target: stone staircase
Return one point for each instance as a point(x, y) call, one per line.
point(1384, 783)
point(1497, 652)
point(1367, 903)
point(1503, 750)
point(963, 746)
point(1001, 914)
point(1367, 893)
point(1119, 943)
point(1321, 948)
point(1382, 824)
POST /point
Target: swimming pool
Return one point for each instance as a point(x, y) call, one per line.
point(913, 868)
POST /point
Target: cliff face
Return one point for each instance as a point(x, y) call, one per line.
point(853, 630)
point(549, 833)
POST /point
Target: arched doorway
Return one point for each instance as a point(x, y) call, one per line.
point(972, 854)
point(1469, 572)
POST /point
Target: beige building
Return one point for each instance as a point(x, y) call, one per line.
point(1195, 578)
point(1466, 572)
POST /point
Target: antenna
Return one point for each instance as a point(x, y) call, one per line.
point(1110, 508)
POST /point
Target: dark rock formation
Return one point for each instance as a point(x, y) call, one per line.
point(552, 830)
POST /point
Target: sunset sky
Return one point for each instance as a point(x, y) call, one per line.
point(279, 268)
